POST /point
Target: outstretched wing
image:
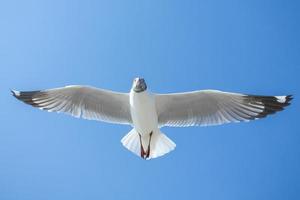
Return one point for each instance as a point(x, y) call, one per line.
point(212, 107)
point(81, 101)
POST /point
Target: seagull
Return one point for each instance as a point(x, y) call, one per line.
point(147, 112)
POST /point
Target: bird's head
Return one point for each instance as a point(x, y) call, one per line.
point(139, 85)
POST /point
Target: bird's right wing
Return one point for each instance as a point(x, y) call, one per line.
point(81, 101)
point(212, 107)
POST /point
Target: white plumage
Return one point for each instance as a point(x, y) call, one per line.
point(147, 112)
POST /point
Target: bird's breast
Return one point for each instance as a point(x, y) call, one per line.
point(143, 112)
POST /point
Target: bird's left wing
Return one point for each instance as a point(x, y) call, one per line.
point(213, 107)
point(81, 101)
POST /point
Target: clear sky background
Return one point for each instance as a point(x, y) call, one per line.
point(239, 46)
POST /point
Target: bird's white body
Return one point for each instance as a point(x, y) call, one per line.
point(143, 112)
point(145, 139)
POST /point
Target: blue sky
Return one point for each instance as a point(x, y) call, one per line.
point(240, 46)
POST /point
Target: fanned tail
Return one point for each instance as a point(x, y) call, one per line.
point(160, 144)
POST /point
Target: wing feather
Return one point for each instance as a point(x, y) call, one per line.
point(81, 101)
point(213, 107)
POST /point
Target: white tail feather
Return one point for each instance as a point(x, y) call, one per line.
point(160, 144)
point(132, 142)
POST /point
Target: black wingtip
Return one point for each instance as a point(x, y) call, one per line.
point(272, 104)
point(289, 98)
point(26, 96)
point(15, 93)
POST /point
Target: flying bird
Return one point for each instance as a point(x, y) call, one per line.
point(147, 112)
